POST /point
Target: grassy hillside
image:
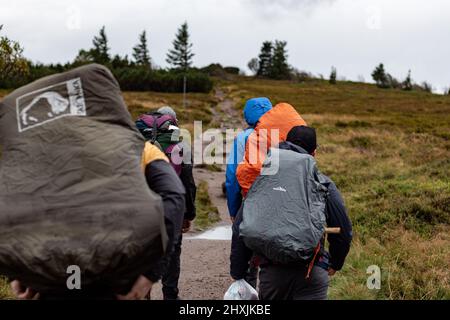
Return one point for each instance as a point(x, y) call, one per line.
point(207, 213)
point(389, 153)
point(198, 105)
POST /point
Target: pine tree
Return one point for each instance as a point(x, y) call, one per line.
point(100, 52)
point(180, 57)
point(280, 68)
point(141, 54)
point(265, 59)
point(407, 84)
point(333, 75)
point(380, 77)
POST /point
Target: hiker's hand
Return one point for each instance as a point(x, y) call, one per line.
point(141, 288)
point(331, 272)
point(186, 226)
point(23, 293)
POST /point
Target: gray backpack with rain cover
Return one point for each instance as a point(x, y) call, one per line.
point(284, 212)
point(72, 190)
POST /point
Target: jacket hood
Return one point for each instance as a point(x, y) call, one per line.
point(255, 109)
point(286, 145)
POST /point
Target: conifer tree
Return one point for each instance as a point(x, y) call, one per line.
point(380, 77)
point(407, 84)
point(180, 57)
point(100, 52)
point(280, 68)
point(333, 76)
point(265, 59)
point(141, 54)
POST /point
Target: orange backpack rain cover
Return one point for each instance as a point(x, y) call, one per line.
point(282, 117)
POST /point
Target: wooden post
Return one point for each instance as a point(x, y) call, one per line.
point(184, 90)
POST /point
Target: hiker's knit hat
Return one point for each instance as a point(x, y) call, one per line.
point(304, 137)
point(168, 111)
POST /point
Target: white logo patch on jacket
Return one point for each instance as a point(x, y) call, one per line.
point(48, 104)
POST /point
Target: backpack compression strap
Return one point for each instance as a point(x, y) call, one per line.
point(311, 264)
point(150, 154)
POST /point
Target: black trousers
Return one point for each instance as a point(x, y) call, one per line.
point(279, 282)
point(172, 274)
point(252, 272)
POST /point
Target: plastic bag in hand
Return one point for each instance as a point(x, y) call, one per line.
point(241, 290)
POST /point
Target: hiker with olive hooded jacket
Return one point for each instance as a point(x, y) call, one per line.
point(79, 219)
point(162, 180)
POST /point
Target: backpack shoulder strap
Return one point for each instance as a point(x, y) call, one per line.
point(155, 130)
point(150, 154)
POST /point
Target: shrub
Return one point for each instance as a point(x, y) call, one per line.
point(35, 71)
point(217, 70)
point(301, 76)
point(427, 87)
point(5, 292)
point(130, 78)
point(214, 70)
point(141, 79)
point(232, 70)
point(394, 82)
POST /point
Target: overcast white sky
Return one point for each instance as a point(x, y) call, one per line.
point(353, 35)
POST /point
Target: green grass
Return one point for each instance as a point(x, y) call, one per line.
point(5, 292)
point(207, 213)
point(410, 267)
point(210, 167)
